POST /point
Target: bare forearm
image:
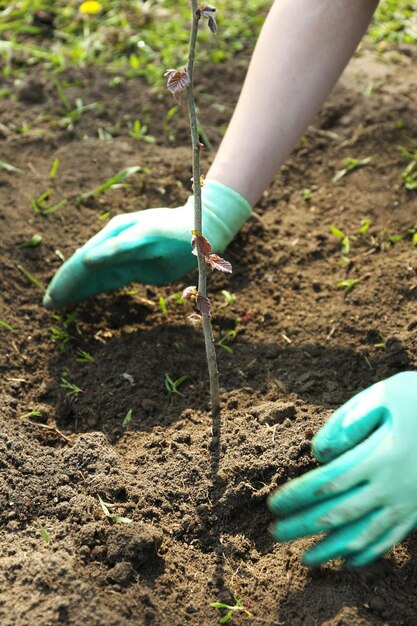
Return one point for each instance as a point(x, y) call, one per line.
point(301, 52)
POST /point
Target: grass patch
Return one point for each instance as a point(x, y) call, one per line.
point(130, 39)
point(395, 21)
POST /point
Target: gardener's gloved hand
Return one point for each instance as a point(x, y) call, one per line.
point(152, 247)
point(365, 497)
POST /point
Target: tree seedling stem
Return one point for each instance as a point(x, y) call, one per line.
point(198, 220)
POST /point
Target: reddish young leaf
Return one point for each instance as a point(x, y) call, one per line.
point(178, 81)
point(200, 242)
point(208, 11)
point(217, 263)
point(190, 292)
point(203, 304)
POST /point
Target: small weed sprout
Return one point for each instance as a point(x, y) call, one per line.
point(31, 278)
point(112, 517)
point(9, 167)
point(226, 339)
point(381, 344)
point(412, 232)
point(33, 242)
point(54, 168)
point(172, 385)
point(42, 206)
point(115, 181)
point(73, 390)
point(163, 306)
point(350, 166)
point(127, 418)
point(60, 334)
point(44, 534)
point(409, 174)
point(306, 193)
point(139, 132)
point(74, 115)
point(231, 609)
point(5, 325)
point(364, 227)
point(347, 284)
point(229, 298)
point(343, 238)
point(84, 357)
point(388, 239)
point(32, 413)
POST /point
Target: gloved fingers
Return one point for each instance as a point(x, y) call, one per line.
point(115, 227)
point(384, 543)
point(67, 278)
point(338, 544)
point(121, 250)
point(342, 474)
point(350, 424)
point(354, 540)
point(126, 230)
point(71, 284)
point(350, 506)
point(324, 516)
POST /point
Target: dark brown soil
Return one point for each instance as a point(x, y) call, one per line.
point(200, 524)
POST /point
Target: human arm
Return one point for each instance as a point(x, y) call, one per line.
point(364, 497)
point(301, 51)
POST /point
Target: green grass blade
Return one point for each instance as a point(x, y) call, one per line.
point(9, 167)
point(31, 278)
point(54, 168)
point(111, 182)
point(45, 535)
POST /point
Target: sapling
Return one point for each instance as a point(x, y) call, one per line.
point(179, 81)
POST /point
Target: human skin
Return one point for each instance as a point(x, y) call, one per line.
point(303, 48)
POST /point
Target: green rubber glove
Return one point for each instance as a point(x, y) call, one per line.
point(152, 247)
point(365, 496)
